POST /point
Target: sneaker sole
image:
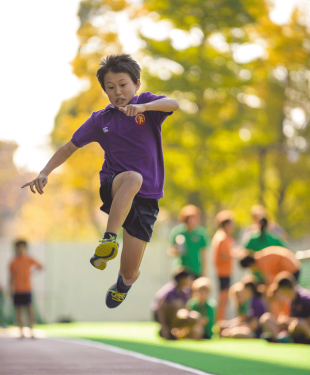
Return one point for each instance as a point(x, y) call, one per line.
point(106, 251)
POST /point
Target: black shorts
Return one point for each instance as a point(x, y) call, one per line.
point(22, 299)
point(142, 216)
point(224, 283)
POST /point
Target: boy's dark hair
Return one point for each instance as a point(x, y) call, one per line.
point(254, 288)
point(286, 280)
point(263, 226)
point(225, 222)
point(180, 273)
point(118, 64)
point(19, 243)
point(247, 261)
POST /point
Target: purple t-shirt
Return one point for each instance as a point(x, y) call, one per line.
point(300, 307)
point(257, 308)
point(130, 143)
point(175, 294)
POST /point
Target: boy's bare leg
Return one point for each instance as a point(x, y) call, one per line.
point(124, 188)
point(299, 325)
point(270, 324)
point(30, 314)
point(223, 299)
point(19, 319)
point(132, 254)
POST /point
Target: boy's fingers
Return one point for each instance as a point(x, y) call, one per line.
point(38, 186)
point(31, 187)
point(41, 186)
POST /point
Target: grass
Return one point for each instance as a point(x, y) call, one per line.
point(216, 356)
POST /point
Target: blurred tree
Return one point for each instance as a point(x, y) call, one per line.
point(241, 135)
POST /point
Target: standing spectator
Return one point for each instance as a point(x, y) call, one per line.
point(20, 271)
point(189, 242)
point(257, 213)
point(203, 304)
point(297, 325)
point(2, 320)
point(222, 251)
point(263, 239)
point(251, 327)
point(271, 261)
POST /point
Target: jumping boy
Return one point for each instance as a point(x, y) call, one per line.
point(132, 175)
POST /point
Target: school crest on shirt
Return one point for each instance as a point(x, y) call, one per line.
point(140, 119)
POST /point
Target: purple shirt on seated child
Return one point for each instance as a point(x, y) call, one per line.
point(300, 307)
point(129, 143)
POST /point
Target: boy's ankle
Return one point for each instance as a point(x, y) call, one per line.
point(121, 286)
point(109, 236)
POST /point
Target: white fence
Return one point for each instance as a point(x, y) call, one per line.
point(69, 287)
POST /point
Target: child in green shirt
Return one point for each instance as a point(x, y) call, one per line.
point(201, 303)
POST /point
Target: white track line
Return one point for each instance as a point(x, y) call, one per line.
point(131, 353)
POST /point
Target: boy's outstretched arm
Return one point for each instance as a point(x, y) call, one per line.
point(163, 105)
point(56, 160)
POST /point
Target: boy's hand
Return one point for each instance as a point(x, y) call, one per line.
point(132, 109)
point(38, 183)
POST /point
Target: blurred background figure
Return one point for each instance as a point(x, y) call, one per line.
point(222, 243)
point(296, 326)
point(236, 296)
point(21, 268)
point(250, 328)
point(262, 239)
point(168, 303)
point(190, 241)
point(2, 318)
point(204, 305)
point(258, 212)
point(271, 261)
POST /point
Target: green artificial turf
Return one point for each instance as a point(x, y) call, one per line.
point(216, 356)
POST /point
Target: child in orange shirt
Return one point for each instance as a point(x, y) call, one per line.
point(221, 245)
point(20, 271)
point(271, 261)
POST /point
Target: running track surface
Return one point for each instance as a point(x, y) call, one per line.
point(79, 357)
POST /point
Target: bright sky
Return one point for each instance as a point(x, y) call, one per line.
point(38, 41)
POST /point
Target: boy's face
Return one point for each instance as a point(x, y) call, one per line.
point(120, 88)
point(192, 222)
point(203, 294)
point(229, 228)
point(20, 250)
point(184, 282)
point(286, 294)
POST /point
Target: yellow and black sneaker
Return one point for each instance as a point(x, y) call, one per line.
point(107, 250)
point(117, 293)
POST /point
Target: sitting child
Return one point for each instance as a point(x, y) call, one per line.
point(242, 306)
point(250, 328)
point(296, 326)
point(172, 300)
point(204, 305)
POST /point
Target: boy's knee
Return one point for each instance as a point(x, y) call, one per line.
point(264, 318)
point(134, 180)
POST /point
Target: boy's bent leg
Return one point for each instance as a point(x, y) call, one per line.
point(124, 188)
point(132, 254)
